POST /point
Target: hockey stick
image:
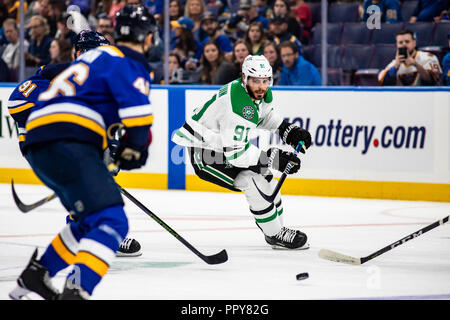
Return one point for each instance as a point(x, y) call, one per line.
point(217, 258)
point(271, 198)
point(338, 257)
point(28, 207)
point(112, 129)
point(214, 259)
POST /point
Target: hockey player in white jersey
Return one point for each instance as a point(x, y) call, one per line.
point(217, 139)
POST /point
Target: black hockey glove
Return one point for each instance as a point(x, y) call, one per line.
point(129, 157)
point(279, 159)
point(292, 135)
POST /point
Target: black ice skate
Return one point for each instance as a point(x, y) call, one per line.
point(288, 239)
point(129, 248)
point(73, 291)
point(34, 278)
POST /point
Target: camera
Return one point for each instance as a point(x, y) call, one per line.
point(403, 52)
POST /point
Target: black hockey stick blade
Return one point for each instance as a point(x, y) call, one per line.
point(217, 258)
point(28, 207)
point(339, 257)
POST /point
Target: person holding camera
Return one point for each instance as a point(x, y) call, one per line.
point(410, 67)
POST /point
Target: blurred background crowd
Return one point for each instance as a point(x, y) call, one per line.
point(209, 39)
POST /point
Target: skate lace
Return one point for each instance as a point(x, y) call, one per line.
point(286, 235)
point(126, 243)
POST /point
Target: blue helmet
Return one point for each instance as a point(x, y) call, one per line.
point(134, 23)
point(87, 40)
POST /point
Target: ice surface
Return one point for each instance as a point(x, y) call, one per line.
point(419, 269)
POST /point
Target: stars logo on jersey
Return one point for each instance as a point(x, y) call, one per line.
point(248, 112)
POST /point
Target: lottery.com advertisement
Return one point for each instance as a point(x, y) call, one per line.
point(368, 135)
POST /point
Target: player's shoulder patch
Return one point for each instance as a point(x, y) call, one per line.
point(111, 50)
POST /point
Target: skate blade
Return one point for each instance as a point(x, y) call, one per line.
point(18, 293)
point(124, 255)
point(304, 247)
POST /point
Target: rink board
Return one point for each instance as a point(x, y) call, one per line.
point(387, 143)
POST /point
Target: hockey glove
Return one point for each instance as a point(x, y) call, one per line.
point(129, 157)
point(279, 159)
point(292, 135)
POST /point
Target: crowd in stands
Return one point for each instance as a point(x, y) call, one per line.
point(209, 39)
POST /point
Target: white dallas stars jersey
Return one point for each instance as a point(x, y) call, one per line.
point(408, 75)
point(223, 123)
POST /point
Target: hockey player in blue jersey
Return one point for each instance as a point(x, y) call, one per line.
point(25, 95)
point(66, 136)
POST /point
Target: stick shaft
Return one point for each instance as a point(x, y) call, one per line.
point(405, 239)
point(214, 259)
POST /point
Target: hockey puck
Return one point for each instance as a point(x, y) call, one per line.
point(302, 276)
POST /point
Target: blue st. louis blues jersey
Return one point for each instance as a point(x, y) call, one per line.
point(104, 86)
point(26, 94)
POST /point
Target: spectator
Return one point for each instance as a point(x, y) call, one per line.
point(446, 65)
point(38, 51)
point(54, 10)
point(256, 37)
point(183, 42)
point(11, 54)
point(101, 7)
point(210, 26)
point(296, 70)
point(63, 30)
point(116, 6)
point(212, 60)
point(43, 8)
point(33, 9)
point(272, 53)
point(175, 69)
point(443, 17)
point(175, 10)
point(279, 30)
point(217, 7)
point(239, 22)
point(304, 17)
point(262, 7)
point(390, 10)
point(241, 50)
point(60, 51)
point(194, 10)
point(155, 7)
point(104, 24)
point(281, 8)
point(410, 66)
point(4, 72)
point(427, 10)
